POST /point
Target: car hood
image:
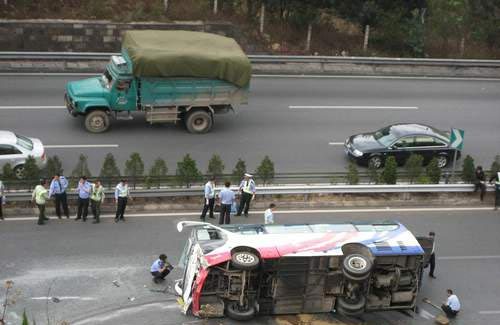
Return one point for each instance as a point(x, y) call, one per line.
point(365, 141)
point(90, 87)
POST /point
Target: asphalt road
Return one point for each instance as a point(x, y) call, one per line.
point(297, 140)
point(77, 263)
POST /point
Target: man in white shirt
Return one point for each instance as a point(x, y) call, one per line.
point(268, 214)
point(452, 305)
point(209, 199)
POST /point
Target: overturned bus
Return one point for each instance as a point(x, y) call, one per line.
point(241, 271)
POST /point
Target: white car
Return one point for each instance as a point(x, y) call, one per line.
point(15, 149)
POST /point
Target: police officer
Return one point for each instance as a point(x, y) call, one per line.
point(122, 194)
point(209, 199)
point(247, 192)
point(84, 188)
point(226, 197)
point(57, 188)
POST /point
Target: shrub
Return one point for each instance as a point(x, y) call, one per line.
point(31, 170)
point(157, 171)
point(468, 173)
point(423, 179)
point(433, 171)
point(495, 167)
point(265, 171)
point(109, 169)
point(413, 167)
point(389, 174)
point(352, 174)
point(82, 168)
point(7, 172)
point(54, 166)
point(187, 172)
point(215, 167)
point(373, 173)
point(134, 167)
point(239, 169)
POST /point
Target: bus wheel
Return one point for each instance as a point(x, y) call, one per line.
point(245, 260)
point(97, 121)
point(357, 265)
point(351, 307)
point(236, 312)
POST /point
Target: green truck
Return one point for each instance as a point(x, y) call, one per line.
point(166, 76)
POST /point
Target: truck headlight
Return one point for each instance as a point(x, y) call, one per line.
point(357, 153)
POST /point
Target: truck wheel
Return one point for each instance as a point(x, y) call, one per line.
point(97, 121)
point(357, 265)
point(199, 121)
point(245, 260)
point(236, 312)
point(19, 171)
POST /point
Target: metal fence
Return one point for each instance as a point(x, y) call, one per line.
point(262, 59)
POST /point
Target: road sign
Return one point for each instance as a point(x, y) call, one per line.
point(457, 139)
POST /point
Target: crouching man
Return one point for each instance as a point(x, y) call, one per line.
point(160, 268)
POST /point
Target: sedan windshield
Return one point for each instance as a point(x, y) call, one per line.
point(24, 142)
point(384, 136)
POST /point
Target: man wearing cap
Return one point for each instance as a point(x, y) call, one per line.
point(247, 194)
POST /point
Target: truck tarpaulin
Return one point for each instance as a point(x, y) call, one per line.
point(156, 53)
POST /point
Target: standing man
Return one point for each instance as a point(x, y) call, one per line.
point(40, 196)
point(247, 192)
point(160, 268)
point(451, 306)
point(58, 187)
point(96, 198)
point(2, 192)
point(226, 197)
point(497, 189)
point(209, 199)
point(84, 188)
point(480, 182)
point(432, 260)
point(121, 197)
point(269, 215)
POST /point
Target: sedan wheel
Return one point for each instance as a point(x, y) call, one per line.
point(442, 161)
point(375, 162)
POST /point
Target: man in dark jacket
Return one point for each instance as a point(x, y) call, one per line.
point(497, 188)
point(480, 182)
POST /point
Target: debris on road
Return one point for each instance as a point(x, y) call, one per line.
point(131, 298)
point(56, 300)
point(115, 282)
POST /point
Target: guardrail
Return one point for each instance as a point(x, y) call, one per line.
point(288, 190)
point(274, 59)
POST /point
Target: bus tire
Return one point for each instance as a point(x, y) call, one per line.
point(245, 260)
point(97, 121)
point(357, 265)
point(351, 306)
point(234, 311)
point(199, 121)
point(349, 313)
point(353, 278)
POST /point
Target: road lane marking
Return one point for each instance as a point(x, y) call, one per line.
point(76, 146)
point(490, 312)
point(30, 107)
point(474, 257)
point(318, 211)
point(336, 143)
point(425, 314)
point(354, 107)
point(65, 298)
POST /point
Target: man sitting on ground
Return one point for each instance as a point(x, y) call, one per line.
point(160, 268)
point(452, 305)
